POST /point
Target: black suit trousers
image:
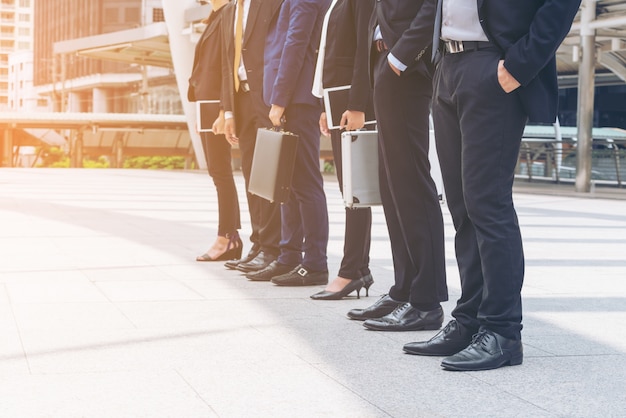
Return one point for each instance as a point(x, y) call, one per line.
point(217, 151)
point(478, 131)
point(408, 192)
point(357, 237)
point(264, 216)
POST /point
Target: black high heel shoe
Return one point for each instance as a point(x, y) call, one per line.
point(233, 250)
point(368, 281)
point(347, 289)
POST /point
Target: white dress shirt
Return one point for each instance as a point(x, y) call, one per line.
point(460, 21)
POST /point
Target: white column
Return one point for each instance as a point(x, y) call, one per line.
point(182, 50)
point(73, 102)
point(586, 90)
point(100, 100)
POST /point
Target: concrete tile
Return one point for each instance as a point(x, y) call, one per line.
point(66, 288)
point(114, 394)
point(125, 273)
point(76, 317)
point(572, 386)
point(146, 290)
point(12, 357)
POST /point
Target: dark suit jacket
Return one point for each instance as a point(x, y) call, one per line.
point(407, 28)
point(206, 76)
point(347, 47)
point(291, 52)
point(259, 18)
point(529, 33)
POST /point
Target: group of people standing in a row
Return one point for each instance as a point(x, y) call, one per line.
point(490, 68)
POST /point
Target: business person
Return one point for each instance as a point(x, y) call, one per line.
point(290, 52)
point(342, 61)
point(245, 31)
point(497, 71)
point(401, 32)
point(205, 84)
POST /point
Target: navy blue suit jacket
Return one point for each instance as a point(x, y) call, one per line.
point(407, 28)
point(291, 52)
point(529, 32)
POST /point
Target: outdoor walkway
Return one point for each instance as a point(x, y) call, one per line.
point(105, 313)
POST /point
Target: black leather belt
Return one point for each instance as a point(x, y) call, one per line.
point(455, 47)
point(380, 45)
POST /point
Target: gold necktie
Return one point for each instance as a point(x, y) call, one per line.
point(238, 42)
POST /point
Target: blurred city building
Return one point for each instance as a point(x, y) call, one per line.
point(16, 35)
point(78, 83)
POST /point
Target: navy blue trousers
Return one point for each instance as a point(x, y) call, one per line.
point(304, 236)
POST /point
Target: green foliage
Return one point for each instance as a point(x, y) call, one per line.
point(155, 163)
point(101, 162)
point(54, 157)
point(329, 167)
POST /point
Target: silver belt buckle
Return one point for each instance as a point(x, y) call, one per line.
point(455, 46)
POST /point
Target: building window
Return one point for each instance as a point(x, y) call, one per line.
point(24, 3)
point(24, 31)
point(24, 17)
point(42, 102)
point(157, 15)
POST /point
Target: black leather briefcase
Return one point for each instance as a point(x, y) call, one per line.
point(272, 164)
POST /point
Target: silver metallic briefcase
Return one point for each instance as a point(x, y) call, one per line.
point(359, 158)
point(272, 164)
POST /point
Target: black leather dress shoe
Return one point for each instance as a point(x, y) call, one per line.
point(488, 350)
point(383, 306)
point(274, 269)
point(232, 264)
point(258, 263)
point(301, 276)
point(407, 318)
point(450, 340)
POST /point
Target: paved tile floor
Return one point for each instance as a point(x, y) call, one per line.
point(105, 313)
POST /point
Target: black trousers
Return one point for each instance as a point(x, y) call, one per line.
point(478, 131)
point(408, 192)
point(217, 151)
point(264, 216)
point(357, 236)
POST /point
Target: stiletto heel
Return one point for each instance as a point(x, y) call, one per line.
point(354, 285)
point(233, 250)
point(368, 281)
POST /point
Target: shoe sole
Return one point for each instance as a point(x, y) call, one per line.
point(428, 327)
point(460, 368)
point(415, 353)
point(300, 284)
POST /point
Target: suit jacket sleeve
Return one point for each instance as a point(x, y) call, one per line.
point(530, 54)
point(228, 86)
point(360, 91)
point(303, 15)
point(416, 39)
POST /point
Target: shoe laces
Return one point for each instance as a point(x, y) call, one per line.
point(481, 339)
point(400, 309)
